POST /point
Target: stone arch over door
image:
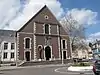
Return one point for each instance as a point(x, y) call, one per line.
point(47, 52)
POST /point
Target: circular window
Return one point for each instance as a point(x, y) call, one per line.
point(46, 17)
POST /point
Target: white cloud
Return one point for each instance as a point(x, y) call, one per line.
point(93, 37)
point(8, 10)
point(84, 16)
point(16, 14)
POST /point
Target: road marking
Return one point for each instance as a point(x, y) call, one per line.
point(57, 70)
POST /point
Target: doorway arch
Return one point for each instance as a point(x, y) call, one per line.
point(27, 55)
point(47, 53)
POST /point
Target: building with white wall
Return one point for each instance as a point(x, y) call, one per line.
point(7, 46)
point(95, 46)
point(83, 53)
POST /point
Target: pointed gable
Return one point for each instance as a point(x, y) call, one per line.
point(40, 16)
point(46, 16)
point(43, 16)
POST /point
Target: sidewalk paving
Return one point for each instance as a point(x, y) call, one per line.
point(6, 68)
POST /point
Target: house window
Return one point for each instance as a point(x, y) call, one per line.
point(12, 46)
point(40, 48)
point(46, 28)
point(27, 43)
point(12, 55)
point(5, 55)
point(5, 46)
point(63, 42)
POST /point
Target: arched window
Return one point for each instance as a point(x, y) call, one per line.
point(27, 43)
point(40, 48)
point(46, 28)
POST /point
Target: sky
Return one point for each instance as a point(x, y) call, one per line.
point(15, 13)
point(90, 10)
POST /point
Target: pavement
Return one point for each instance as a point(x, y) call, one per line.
point(5, 68)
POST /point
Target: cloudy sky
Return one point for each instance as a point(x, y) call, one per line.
point(15, 13)
point(87, 12)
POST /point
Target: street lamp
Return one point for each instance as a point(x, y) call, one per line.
point(62, 58)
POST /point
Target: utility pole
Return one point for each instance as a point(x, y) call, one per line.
point(15, 38)
point(62, 58)
point(1, 48)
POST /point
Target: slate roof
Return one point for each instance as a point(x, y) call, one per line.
point(8, 33)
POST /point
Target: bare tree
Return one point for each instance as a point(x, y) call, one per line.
point(75, 30)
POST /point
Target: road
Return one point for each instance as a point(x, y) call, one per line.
point(49, 70)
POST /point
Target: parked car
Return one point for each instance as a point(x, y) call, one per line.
point(96, 67)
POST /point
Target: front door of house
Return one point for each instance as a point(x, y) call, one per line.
point(27, 55)
point(64, 54)
point(48, 53)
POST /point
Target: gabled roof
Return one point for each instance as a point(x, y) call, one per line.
point(34, 17)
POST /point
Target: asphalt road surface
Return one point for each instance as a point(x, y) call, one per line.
point(50, 70)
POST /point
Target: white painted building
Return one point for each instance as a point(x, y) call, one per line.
point(83, 53)
point(7, 46)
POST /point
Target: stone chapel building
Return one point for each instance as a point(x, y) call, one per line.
point(42, 38)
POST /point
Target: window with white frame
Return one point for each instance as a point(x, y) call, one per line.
point(64, 44)
point(5, 46)
point(12, 54)
point(12, 46)
point(5, 55)
point(27, 43)
point(47, 29)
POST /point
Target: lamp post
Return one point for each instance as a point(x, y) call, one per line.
point(1, 48)
point(62, 58)
point(16, 49)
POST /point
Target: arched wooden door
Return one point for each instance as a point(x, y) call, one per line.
point(47, 53)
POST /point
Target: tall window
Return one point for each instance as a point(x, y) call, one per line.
point(12, 45)
point(63, 41)
point(27, 43)
point(12, 55)
point(46, 29)
point(5, 46)
point(5, 55)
